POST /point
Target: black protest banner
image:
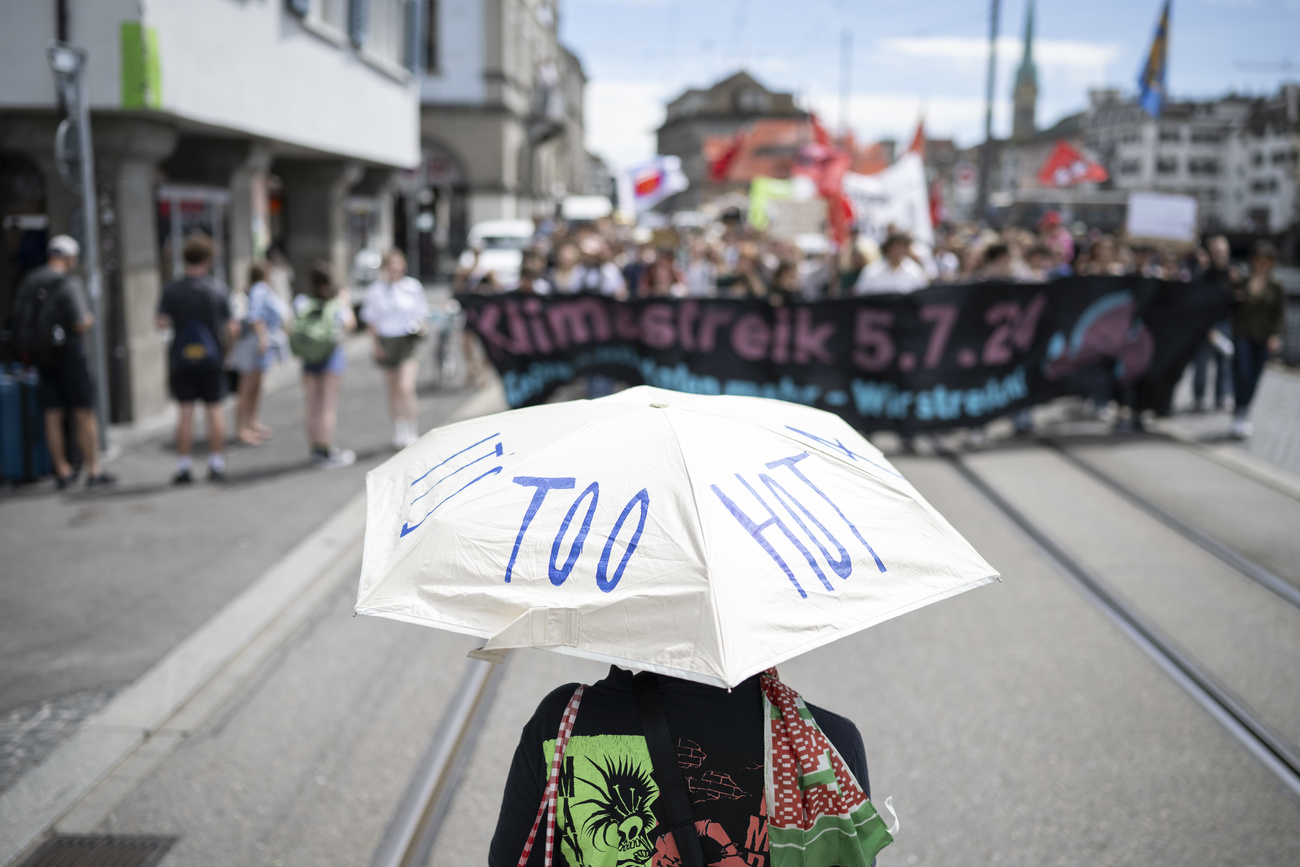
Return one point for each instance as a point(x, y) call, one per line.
point(946, 356)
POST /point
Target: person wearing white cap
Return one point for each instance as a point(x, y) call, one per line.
point(50, 315)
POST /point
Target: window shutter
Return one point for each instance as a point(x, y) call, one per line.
point(301, 8)
point(414, 33)
point(358, 21)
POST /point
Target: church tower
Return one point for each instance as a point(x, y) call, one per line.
point(1025, 95)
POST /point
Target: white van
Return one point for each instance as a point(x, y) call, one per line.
point(500, 245)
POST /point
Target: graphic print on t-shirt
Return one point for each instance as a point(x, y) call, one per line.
point(605, 809)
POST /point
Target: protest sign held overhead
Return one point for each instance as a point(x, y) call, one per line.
point(897, 196)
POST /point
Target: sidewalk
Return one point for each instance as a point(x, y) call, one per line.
point(1275, 415)
point(101, 585)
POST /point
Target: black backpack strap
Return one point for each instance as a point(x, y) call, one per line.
point(667, 773)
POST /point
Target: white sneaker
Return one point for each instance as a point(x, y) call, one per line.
point(335, 458)
point(1241, 429)
point(404, 433)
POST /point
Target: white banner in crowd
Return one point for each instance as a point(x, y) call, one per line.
point(896, 196)
point(1161, 217)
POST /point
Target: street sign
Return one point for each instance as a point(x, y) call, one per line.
point(66, 156)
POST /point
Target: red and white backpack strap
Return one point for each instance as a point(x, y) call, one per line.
point(549, 797)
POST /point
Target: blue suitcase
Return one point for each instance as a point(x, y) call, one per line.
point(24, 455)
point(11, 428)
point(37, 463)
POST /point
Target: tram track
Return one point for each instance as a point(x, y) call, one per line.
point(1274, 750)
point(409, 839)
point(1227, 555)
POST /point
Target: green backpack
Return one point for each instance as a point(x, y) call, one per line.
point(316, 332)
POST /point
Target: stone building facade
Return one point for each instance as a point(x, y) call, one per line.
point(502, 112)
point(252, 122)
point(720, 110)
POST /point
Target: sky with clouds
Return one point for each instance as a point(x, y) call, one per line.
point(909, 57)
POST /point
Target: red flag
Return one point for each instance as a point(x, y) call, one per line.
point(918, 140)
point(820, 135)
point(938, 213)
point(1067, 167)
point(718, 168)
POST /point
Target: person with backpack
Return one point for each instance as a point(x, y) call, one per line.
point(50, 316)
point(197, 310)
point(323, 317)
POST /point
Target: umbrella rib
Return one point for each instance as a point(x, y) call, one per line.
point(699, 529)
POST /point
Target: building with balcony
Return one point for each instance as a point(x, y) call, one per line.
point(281, 121)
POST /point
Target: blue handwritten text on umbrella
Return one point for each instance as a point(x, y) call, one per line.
point(841, 565)
point(543, 485)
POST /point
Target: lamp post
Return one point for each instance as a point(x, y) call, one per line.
point(986, 152)
point(75, 158)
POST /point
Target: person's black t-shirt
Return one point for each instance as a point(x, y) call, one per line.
point(607, 802)
point(196, 299)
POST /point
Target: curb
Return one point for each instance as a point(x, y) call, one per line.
point(288, 591)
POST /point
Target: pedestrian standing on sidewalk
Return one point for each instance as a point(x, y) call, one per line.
point(396, 313)
point(258, 349)
point(1257, 322)
point(50, 315)
point(322, 317)
point(197, 310)
point(1218, 273)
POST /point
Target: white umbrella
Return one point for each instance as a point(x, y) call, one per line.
point(706, 538)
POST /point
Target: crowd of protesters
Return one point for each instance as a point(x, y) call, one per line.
point(219, 337)
point(728, 259)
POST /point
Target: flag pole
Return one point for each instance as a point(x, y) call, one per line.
point(986, 152)
point(846, 67)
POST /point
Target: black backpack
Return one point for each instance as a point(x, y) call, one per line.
point(39, 325)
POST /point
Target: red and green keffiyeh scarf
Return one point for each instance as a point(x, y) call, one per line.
point(817, 814)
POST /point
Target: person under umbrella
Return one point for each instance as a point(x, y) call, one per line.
point(702, 540)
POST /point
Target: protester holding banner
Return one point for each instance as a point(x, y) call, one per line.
point(1257, 323)
point(895, 271)
point(596, 273)
point(563, 276)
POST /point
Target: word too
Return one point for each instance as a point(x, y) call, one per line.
point(543, 485)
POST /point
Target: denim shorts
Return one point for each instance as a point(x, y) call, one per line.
point(336, 363)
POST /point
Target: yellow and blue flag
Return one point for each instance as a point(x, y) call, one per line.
point(1151, 81)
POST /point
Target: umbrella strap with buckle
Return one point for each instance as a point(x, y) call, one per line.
point(667, 773)
point(547, 809)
